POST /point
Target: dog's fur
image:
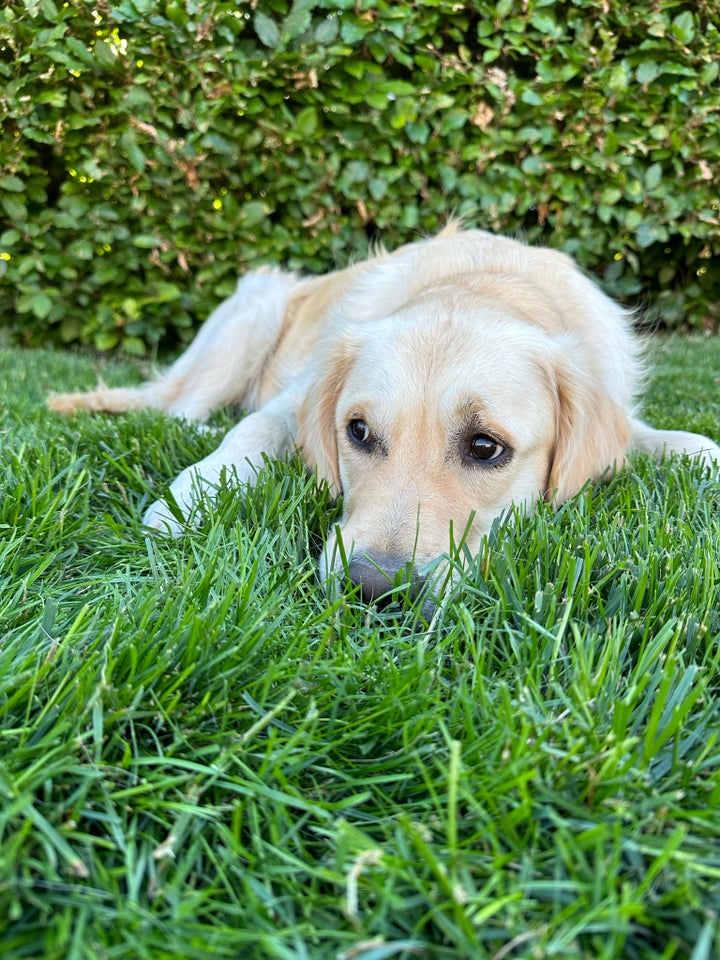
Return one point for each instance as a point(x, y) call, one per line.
point(433, 387)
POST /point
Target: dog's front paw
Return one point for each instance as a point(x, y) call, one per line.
point(158, 517)
point(186, 491)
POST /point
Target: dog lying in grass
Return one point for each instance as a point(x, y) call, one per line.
point(433, 387)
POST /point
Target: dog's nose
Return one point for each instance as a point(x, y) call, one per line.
point(383, 582)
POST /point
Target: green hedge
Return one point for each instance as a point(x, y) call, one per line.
point(152, 151)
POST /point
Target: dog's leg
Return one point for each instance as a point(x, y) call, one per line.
point(270, 432)
point(662, 442)
point(221, 365)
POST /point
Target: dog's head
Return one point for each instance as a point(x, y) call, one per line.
point(442, 416)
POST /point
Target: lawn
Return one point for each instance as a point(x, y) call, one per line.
point(201, 756)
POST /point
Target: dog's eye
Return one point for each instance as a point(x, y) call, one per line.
point(484, 449)
point(359, 432)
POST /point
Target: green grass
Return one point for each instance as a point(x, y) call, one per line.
point(203, 757)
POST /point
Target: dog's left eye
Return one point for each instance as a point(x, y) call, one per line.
point(359, 432)
point(484, 449)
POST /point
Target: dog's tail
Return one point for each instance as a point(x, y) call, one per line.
point(108, 399)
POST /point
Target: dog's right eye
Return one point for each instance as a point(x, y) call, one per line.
point(359, 433)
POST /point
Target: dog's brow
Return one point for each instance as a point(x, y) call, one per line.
point(473, 410)
point(472, 415)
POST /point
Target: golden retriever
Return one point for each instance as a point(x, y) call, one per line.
point(433, 387)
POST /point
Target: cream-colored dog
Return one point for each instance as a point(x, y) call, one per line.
point(433, 387)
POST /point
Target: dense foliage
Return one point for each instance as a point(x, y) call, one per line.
point(151, 151)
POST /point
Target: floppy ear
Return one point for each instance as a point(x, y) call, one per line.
point(592, 434)
point(317, 438)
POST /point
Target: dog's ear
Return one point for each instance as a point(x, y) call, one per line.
point(317, 438)
point(592, 433)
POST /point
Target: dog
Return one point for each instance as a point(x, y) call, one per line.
point(433, 387)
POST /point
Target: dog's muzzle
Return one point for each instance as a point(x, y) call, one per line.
point(385, 581)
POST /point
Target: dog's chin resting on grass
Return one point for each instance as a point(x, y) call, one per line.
point(433, 387)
